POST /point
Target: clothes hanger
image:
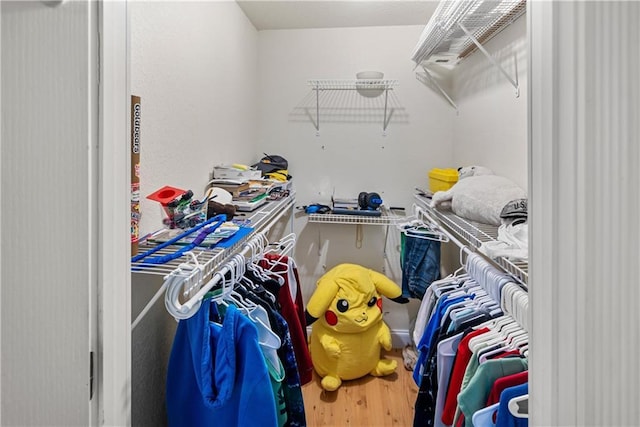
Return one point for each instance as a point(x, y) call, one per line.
point(184, 311)
point(494, 326)
point(256, 249)
point(520, 341)
point(443, 286)
point(272, 263)
point(505, 306)
point(266, 337)
point(519, 406)
point(513, 341)
point(268, 340)
point(266, 274)
point(257, 246)
point(422, 232)
point(432, 223)
point(408, 221)
point(473, 304)
point(499, 337)
point(233, 296)
point(415, 227)
point(186, 276)
point(282, 248)
point(245, 306)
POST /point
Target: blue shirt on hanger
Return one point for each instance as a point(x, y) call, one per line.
point(505, 417)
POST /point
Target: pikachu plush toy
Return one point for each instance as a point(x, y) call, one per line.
point(349, 333)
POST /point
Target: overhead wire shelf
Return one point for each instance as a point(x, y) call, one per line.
point(475, 234)
point(458, 28)
point(212, 258)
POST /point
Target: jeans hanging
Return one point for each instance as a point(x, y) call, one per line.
point(420, 265)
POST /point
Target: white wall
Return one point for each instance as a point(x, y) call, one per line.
point(491, 127)
point(350, 154)
point(194, 64)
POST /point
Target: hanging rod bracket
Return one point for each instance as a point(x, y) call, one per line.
point(514, 82)
point(427, 79)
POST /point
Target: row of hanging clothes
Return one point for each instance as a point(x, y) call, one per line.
point(472, 341)
point(470, 334)
point(240, 353)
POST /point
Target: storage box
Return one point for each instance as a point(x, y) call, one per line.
point(442, 179)
point(228, 172)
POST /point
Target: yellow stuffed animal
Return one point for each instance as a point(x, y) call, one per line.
point(345, 342)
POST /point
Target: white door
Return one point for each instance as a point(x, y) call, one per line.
point(49, 247)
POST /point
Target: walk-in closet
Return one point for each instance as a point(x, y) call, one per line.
point(289, 88)
point(118, 115)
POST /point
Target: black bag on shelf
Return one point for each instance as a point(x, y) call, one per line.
point(271, 163)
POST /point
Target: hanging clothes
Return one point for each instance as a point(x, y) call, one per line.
point(446, 357)
point(462, 358)
point(291, 386)
point(461, 355)
point(217, 374)
point(293, 312)
point(474, 396)
point(503, 383)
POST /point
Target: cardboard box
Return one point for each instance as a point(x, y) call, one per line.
point(135, 172)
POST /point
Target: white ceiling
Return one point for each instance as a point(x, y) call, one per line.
point(296, 14)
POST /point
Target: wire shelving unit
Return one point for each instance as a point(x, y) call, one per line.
point(474, 234)
point(212, 258)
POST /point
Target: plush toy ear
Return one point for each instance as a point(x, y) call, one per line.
point(322, 297)
point(384, 285)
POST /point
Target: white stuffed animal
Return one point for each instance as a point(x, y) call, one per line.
point(479, 195)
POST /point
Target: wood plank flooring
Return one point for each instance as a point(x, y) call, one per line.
point(367, 402)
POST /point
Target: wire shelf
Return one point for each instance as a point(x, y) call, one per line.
point(457, 29)
point(211, 259)
point(348, 219)
point(475, 234)
point(352, 84)
point(444, 38)
point(387, 218)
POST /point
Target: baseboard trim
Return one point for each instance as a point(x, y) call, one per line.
point(400, 338)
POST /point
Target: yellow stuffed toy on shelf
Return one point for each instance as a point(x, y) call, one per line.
point(349, 333)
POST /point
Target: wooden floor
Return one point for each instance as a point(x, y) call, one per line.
point(368, 401)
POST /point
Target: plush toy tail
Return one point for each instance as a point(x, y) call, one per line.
point(309, 318)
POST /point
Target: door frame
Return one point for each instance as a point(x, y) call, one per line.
point(114, 277)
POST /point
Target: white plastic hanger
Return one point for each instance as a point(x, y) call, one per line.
point(421, 226)
point(519, 406)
